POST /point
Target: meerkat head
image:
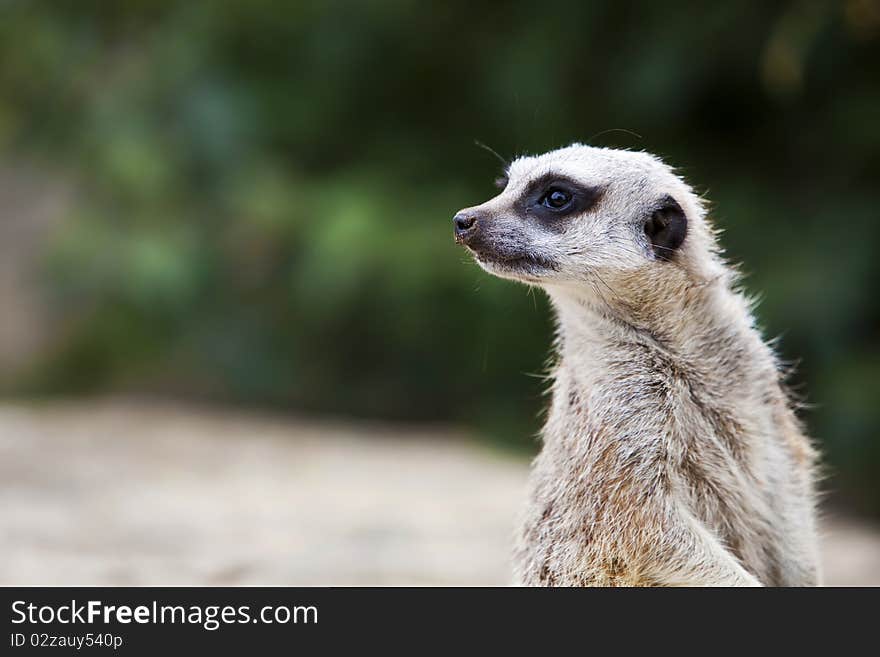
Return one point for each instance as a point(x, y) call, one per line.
point(574, 214)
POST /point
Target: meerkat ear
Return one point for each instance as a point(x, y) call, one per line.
point(666, 228)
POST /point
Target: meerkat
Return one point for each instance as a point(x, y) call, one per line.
point(671, 451)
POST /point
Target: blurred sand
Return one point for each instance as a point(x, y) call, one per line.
point(119, 492)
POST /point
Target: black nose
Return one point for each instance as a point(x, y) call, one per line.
point(465, 226)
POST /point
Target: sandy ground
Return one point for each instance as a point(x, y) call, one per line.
point(131, 493)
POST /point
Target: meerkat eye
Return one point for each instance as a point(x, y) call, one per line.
point(555, 198)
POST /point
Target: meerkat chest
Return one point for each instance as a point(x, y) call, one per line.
point(603, 454)
point(571, 530)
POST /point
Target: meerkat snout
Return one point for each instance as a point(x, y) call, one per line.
point(671, 452)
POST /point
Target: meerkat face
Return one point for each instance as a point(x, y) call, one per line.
point(565, 215)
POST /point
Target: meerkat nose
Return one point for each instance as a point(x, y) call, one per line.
point(465, 226)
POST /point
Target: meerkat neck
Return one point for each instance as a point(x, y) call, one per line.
point(706, 330)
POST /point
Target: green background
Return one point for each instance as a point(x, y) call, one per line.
point(264, 192)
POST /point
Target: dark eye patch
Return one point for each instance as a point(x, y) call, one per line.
point(534, 202)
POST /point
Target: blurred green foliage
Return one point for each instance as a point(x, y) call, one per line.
point(265, 190)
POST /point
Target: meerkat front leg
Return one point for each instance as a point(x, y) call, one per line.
point(688, 554)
